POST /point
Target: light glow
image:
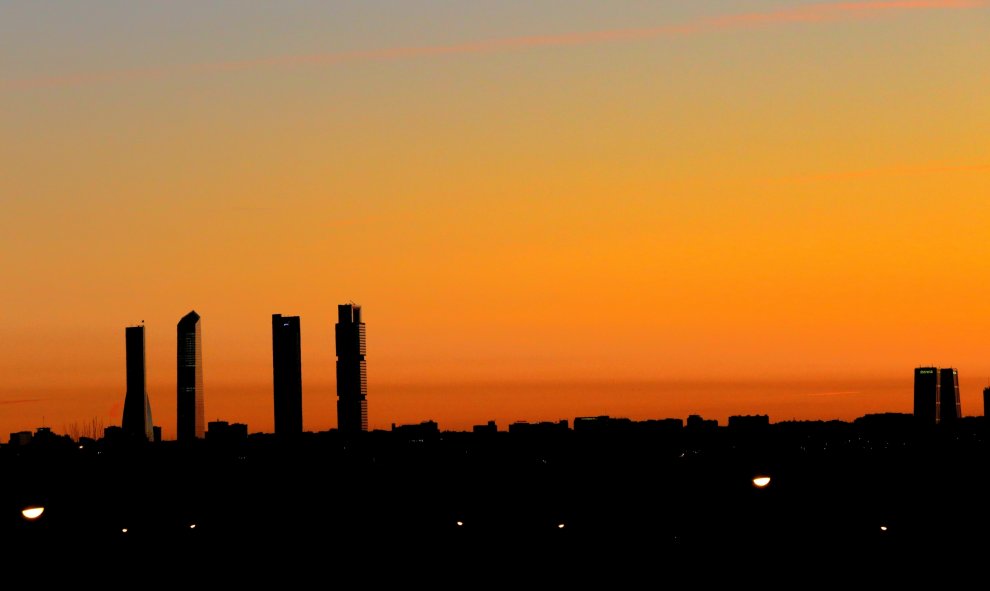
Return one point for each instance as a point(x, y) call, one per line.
point(761, 481)
point(32, 513)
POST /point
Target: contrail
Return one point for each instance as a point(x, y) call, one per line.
point(807, 13)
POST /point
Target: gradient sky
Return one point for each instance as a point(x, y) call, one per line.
point(547, 209)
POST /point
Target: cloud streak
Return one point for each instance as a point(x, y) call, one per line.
point(896, 171)
point(801, 14)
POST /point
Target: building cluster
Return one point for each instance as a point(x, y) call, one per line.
point(352, 381)
point(936, 395)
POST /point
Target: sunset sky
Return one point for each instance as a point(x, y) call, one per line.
point(546, 208)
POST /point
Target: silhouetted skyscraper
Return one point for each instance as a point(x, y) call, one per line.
point(287, 373)
point(190, 423)
point(986, 400)
point(137, 410)
point(352, 374)
point(926, 395)
point(948, 396)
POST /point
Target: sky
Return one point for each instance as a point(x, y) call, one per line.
point(546, 208)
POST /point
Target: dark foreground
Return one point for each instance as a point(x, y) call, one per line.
point(881, 502)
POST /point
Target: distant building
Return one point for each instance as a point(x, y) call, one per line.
point(749, 422)
point(662, 426)
point(950, 410)
point(352, 373)
point(287, 374)
point(541, 428)
point(156, 434)
point(887, 422)
point(20, 438)
point(601, 424)
point(189, 379)
point(986, 399)
point(223, 432)
point(136, 421)
point(926, 395)
point(491, 427)
point(423, 431)
point(695, 422)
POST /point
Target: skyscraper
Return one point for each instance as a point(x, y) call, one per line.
point(287, 373)
point(926, 395)
point(137, 410)
point(190, 423)
point(352, 374)
point(948, 396)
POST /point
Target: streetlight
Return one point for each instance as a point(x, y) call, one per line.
point(32, 513)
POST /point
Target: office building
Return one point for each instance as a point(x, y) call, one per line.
point(136, 421)
point(926, 395)
point(352, 375)
point(949, 408)
point(287, 374)
point(190, 423)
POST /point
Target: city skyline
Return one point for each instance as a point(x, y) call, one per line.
point(641, 210)
point(936, 397)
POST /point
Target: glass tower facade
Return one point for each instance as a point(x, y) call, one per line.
point(352, 373)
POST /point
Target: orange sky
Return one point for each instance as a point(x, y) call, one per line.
point(723, 208)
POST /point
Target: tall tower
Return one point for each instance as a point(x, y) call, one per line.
point(189, 379)
point(949, 407)
point(137, 410)
point(986, 401)
point(287, 374)
point(352, 373)
point(926, 395)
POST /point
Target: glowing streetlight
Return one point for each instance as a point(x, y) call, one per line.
point(123, 531)
point(460, 524)
point(883, 528)
point(32, 513)
point(761, 481)
point(192, 526)
point(560, 526)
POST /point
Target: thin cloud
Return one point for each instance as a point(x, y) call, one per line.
point(906, 170)
point(808, 13)
point(849, 393)
point(21, 401)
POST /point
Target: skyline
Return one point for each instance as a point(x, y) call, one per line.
point(550, 209)
point(350, 354)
